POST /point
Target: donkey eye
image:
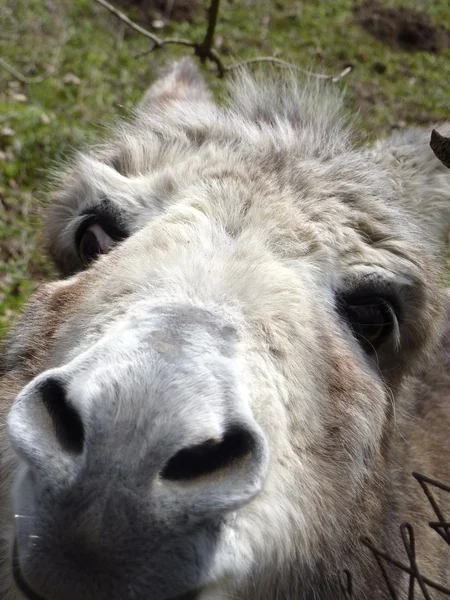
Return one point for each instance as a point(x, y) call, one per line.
point(372, 319)
point(93, 241)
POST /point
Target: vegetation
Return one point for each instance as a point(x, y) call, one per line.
point(69, 69)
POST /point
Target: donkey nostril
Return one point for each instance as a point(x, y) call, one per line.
point(66, 422)
point(209, 457)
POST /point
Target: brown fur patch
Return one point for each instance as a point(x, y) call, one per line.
point(32, 337)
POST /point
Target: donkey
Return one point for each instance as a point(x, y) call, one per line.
point(245, 358)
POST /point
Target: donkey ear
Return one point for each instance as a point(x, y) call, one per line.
point(180, 81)
point(424, 182)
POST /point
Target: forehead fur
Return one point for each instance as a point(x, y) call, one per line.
point(277, 140)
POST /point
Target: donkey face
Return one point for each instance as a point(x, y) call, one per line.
point(207, 406)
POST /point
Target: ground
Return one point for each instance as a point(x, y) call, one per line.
point(82, 68)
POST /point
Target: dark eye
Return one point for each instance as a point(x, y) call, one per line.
point(372, 319)
point(92, 241)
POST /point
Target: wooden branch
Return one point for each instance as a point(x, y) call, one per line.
point(205, 51)
point(286, 65)
point(158, 42)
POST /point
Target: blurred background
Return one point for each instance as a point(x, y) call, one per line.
point(70, 68)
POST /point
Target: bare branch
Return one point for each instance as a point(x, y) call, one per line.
point(205, 50)
point(215, 58)
point(123, 17)
point(158, 42)
point(286, 65)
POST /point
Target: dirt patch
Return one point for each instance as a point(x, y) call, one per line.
point(147, 12)
point(402, 28)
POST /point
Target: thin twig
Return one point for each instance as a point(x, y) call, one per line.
point(286, 65)
point(123, 17)
point(205, 51)
point(158, 42)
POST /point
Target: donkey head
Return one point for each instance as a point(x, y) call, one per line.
point(205, 405)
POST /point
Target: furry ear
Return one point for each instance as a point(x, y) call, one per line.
point(179, 82)
point(424, 181)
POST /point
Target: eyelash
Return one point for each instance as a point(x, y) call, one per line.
point(373, 316)
point(103, 235)
point(109, 227)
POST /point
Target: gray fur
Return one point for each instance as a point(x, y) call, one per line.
point(218, 314)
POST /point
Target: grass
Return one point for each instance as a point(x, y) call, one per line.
point(97, 73)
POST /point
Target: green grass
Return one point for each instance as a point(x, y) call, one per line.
point(100, 74)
